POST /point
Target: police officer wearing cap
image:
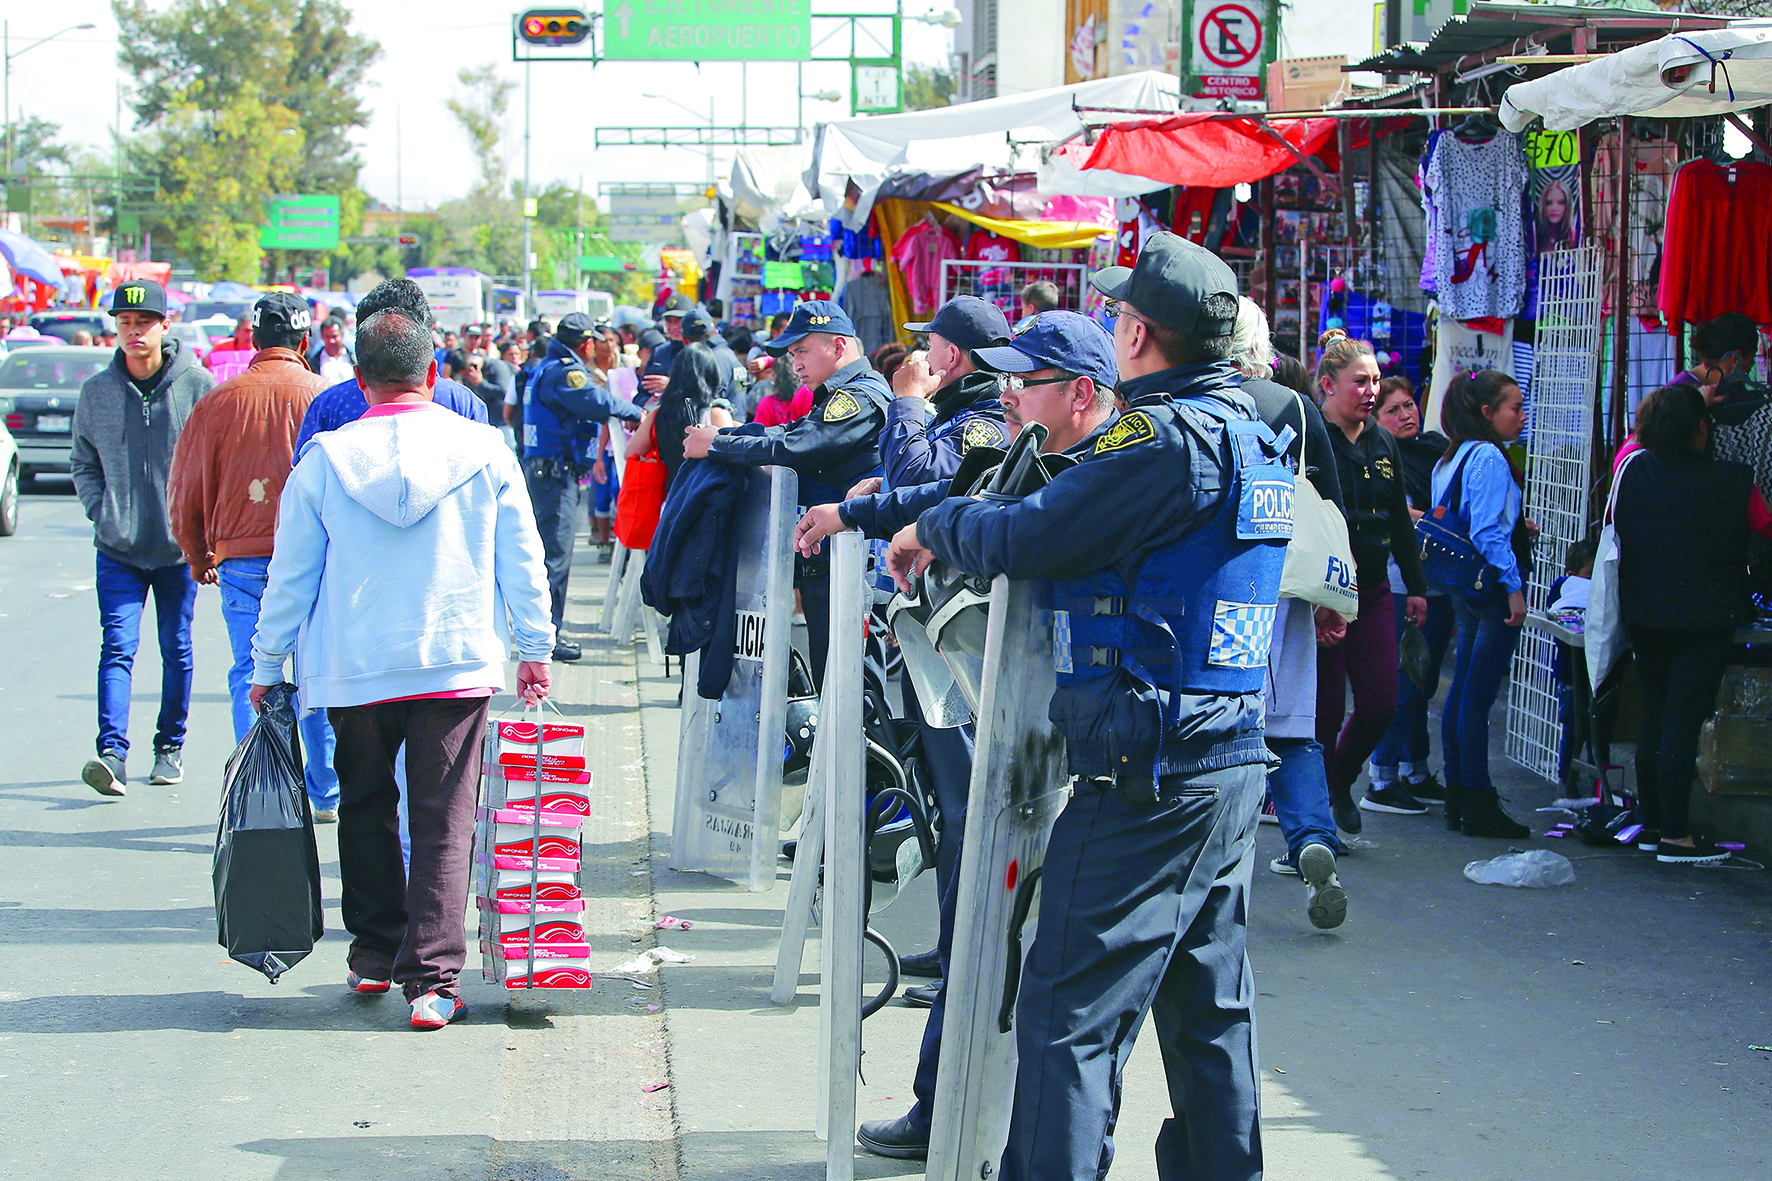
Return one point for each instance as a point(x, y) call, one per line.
point(562, 405)
point(834, 446)
point(1057, 370)
point(1164, 551)
point(698, 328)
point(658, 369)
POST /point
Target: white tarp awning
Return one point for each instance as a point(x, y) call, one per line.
point(1002, 133)
point(1685, 75)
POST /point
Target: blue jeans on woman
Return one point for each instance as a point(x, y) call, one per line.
point(123, 591)
point(1301, 802)
point(1485, 649)
point(1407, 739)
point(242, 584)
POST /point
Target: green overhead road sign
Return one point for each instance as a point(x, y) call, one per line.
point(303, 221)
point(603, 263)
point(708, 30)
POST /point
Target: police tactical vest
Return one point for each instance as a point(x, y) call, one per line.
point(827, 485)
point(544, 434)
point(1200, 616)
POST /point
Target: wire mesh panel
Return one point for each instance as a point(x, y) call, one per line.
point(1001, 282)
point(1557, 482)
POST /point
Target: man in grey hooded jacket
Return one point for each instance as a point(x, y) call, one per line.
point(125, 427)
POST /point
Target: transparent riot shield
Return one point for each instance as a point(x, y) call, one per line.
point(1019, 785)
point(729, 760)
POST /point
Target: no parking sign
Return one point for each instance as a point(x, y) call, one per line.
point(1229, 47)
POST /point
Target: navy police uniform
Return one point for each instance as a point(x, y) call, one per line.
point(917, 449)
point(832, 447)
point(561, 405)
point(1165, 547)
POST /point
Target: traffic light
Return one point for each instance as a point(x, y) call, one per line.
point(408, 239)
point(553, 26)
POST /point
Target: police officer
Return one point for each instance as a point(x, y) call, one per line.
point(1059, 371)
point(917, 449)
point(1167, 559)
point(561, 406)
point(834, 446)
point(698, 328)
point(658, 367)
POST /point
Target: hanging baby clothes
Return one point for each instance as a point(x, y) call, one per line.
point(1719, 219)
point(918, 254)
point(1477, 191)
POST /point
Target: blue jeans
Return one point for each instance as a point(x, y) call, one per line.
point(1485, 649)
point(242, 585)
point(123, 591)
point(1407, 741)
point(1300, 788)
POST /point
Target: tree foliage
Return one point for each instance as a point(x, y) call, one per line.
point(481, 113)
point(242, 99)
point(35, 146)
point(927, 87)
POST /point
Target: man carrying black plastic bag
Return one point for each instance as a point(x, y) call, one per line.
point(267, 870)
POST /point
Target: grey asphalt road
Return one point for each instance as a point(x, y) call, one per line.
point(1448, 1030)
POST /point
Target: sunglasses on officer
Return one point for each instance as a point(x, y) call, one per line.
point(1015, 381)
point(1114, 308)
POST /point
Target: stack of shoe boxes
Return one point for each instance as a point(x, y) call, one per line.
point(526, 851)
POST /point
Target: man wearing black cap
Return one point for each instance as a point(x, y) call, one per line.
point(699, 328)
point(834, 446)
point(1164, 547)
point(916, 449)
point(126, 426)
point(562, 407)
point(658, 370)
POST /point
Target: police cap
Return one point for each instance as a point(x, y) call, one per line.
point(697, 325)
point(815, 315)
point(577, 327)
point(1170, 283)
point(967, 321)
point(1067, 341)
point(677, 305)
point(651, 338)
point(139, 295)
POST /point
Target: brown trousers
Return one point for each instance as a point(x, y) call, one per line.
point(408, 928)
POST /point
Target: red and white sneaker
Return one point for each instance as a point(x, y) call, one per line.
point(357, 983)
point(1268, 815)
point(432, 1011)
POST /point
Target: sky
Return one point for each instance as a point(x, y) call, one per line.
point(414, 150)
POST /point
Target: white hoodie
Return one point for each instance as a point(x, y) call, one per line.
point(404, 540)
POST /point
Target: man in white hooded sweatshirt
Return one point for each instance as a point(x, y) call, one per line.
point(406, 560)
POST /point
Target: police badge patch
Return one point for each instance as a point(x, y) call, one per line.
point(1132, 428)
point(981, 432)
point(841, 406)
point(575, 379)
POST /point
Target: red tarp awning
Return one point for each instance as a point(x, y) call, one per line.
point(153, 272)
point(1196, 149)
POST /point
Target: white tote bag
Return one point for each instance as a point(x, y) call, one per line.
point(1319, 559)
point(1603, 623)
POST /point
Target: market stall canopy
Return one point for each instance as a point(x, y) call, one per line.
point(995, 133)
point(151, 272)
point(1704, 72)
point(768, 180)
point(30, 258)
point(1047, 235)
point(1197, 148)
point(1491, 26)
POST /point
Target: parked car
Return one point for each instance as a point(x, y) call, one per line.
point(64, 324)
point(8, 484)
point(193, 337)
point(39, 388)
point(215, 309)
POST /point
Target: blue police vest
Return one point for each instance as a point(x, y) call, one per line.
point(1200, 616)
point(544, 435)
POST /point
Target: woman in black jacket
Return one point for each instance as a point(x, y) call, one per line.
point(1682, 523)
point(693, 395)
point(1375, 502)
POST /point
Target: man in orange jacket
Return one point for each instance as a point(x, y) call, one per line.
point(227, 474)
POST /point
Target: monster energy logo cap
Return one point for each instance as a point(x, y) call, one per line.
point(139, 295)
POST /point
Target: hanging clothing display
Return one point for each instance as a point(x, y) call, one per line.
point(918, 254)
point(1653, 163)
point(1476, 191)
point(1430, 216)
point(996, 284)
point(1719, 219)
point(869, 305)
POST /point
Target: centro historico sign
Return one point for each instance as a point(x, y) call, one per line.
point(708, 30)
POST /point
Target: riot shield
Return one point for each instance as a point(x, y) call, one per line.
point(1019, 785)
point(729, 761)
point(618, 557)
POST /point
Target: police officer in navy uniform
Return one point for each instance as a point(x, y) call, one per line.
point(657, 371)
point(832, 447)
point(1165, 549)
point(562, 405)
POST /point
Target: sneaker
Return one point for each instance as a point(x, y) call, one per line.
point(104, 772)
point(1347, 816)
point(1649, 840)
point(1428, 788)
point(1699, 852)
point(1393, 798)
point(362, 984)
point(169, 767)
point(1268, 814)
point(434, 1011)
point(325, 815)
point(1283, 866)
point(1327, 902)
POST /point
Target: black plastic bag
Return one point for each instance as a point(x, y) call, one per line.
point(267, 869)
point(1413, 655)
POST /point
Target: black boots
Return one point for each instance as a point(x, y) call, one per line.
point(1481, 816)
point(1454, 808)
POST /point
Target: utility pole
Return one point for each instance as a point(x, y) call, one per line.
point(579, 241)
point(528, 278)
point(399, 214)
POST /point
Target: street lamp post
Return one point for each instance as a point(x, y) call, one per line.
point(6, 88)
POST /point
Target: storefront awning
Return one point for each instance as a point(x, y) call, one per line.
point(1047, 235)
point(1490, 26)
point(1198, 148)
point(1686, 75)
